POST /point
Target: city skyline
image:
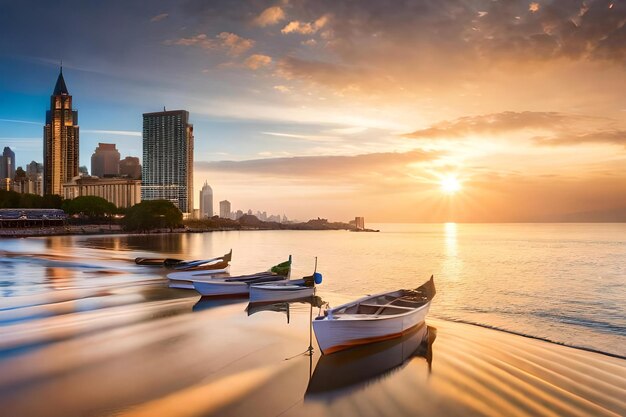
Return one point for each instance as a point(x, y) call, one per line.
point(352, 109)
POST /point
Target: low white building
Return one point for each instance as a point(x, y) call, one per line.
point(122, 192)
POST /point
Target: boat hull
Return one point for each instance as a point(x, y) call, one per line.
point(196, 275)
point(337, 334)
point(267, 293)
point(208, 289)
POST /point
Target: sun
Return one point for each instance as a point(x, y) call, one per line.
point(450, 184)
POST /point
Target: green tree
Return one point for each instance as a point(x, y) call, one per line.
point(153, 214)
point(52, 201)
point(90, 206)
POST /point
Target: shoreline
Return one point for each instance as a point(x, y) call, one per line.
point(529, 336)
point(466, 370)
point(87, 230)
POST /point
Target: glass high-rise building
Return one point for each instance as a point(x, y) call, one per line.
point(60, 137)
point(206, 201)
point(167, 170)
point(7, 164)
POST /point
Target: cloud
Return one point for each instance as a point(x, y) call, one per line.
point(451, 42)
point(113, 132)
point(323, 167)
point(234, 44)
point(201, 40)
point(341, 76)
point(159, 17)
point(282, 88)
point(269, 16)
point(565, 129)
point(305, 28)
point(495, 123)
point(257, 61)
point(613, 137)
point(312, 138)
point(28, 122)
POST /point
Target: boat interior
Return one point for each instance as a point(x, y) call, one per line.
point(398, 302)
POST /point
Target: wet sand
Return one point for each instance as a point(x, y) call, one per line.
point(172, 354)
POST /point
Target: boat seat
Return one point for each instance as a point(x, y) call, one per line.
point(386, 305)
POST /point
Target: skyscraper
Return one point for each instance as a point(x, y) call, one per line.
point(167, 172)
point(60, 137)
point(206, 201)
point(7, 164)
point(225, 209)
point(34, 169)
point(130, 167)
point(105, 161)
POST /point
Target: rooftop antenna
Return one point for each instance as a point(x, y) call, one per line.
point(61, 66)
point(163, 108)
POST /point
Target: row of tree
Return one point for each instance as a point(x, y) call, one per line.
point(147, 215)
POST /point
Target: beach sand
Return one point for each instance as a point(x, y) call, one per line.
point(189, 357)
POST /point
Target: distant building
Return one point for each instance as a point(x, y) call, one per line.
point(60, 136)
point(167, 172)
point(206, 201)
point(34, 170)
point(83, 171)
point(238, 215)
point(130, 167)
point(359, 223)
point(225, 209)
point(28, 185)
point(122, 192)
point(105, 161)
point(7, 164)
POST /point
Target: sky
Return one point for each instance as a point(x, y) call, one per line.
point(340, 108)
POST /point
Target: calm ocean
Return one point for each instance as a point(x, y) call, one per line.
point(560, 282)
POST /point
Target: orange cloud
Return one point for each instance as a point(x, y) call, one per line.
point(305, 28)
point(269, 16)
point(257, 61)
point(234, 44)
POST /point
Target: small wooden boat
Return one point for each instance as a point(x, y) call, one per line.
point(239, 285)
point(220, 264)
point(373, 318)
point(352, 369)
point(284, 290)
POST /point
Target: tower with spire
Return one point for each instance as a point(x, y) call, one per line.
point(206, 201)
point(60, 137)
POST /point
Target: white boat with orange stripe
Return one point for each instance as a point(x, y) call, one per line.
point(373, 318)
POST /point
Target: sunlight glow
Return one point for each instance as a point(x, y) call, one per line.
point(450, 184)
